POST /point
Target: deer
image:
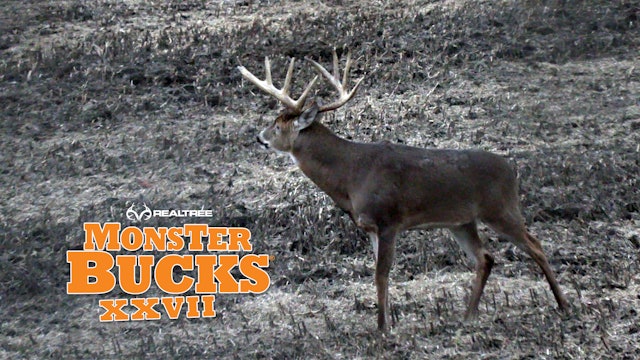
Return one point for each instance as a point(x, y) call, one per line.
point(388, 188)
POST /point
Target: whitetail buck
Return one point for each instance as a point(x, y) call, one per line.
point(387, 188)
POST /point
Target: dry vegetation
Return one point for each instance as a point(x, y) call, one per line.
point(105, 103)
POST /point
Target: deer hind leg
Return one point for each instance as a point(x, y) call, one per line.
point(512, 227)
point(468, 239)
point(384, 261)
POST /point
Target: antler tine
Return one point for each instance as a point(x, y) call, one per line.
point(343, 95)
point(267, 70)
point(336, 64)
point(347, 67)
point(306, 91)
point(287, 80)
point(334, 82)
point(281, 95)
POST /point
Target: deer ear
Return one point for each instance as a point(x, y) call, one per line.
point(306, 118)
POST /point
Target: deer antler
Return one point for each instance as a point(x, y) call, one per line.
point(341, 87)
point(281, 94)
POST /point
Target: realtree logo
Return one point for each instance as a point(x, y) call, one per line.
point(138, 216)
point(92, 269)
point(146, 213)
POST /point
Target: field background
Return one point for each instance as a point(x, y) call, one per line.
point(108, 103)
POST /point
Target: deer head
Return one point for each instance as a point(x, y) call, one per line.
point(297, 115)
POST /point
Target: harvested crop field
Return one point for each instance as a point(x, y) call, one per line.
point(110, 104)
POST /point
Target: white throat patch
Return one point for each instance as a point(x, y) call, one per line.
point(293, 158)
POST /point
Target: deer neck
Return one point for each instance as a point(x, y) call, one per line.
point(326, 159)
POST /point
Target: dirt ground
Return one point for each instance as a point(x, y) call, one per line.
point(106, 104)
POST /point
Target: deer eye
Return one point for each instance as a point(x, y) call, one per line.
point(277, 127)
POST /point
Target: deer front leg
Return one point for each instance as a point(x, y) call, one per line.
point(383, 242)
point(386, 251)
